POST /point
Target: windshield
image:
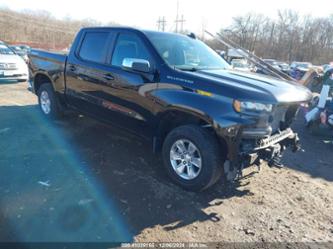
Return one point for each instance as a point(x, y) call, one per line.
point(25, 48)
point(186, 53)
point(284, 65)
point(271, 62)
point(16, 48)
point(5, 50)
point(240, 64)
point(305, 65)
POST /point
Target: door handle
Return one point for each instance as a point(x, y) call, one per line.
point(72, 68)
point(108, 77)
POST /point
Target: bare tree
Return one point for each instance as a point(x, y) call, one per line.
point(40, 28)
point(289, 37)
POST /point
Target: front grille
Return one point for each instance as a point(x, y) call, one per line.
point(11, 66)
point(8, 66)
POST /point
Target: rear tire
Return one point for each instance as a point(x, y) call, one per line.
point(192, 138)
point(48, 102)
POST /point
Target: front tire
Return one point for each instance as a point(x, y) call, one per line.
point(192, 157)
point(48, 102)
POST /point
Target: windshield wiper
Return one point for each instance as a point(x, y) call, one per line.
point(190, 69)
point(194, 69)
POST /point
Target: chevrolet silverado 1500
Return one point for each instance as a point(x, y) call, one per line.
point(205, 119)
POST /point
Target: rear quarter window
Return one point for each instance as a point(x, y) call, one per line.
point(94, 47)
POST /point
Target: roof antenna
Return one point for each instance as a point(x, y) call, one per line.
point(192, 35)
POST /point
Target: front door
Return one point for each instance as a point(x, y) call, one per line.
point(129, 97)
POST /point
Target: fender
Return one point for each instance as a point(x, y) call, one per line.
point(215, 110)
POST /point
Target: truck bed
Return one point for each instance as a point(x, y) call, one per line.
point(51, 64)
point(42, 57)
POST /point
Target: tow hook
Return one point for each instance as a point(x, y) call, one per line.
point(276, 161)
point(275, 158)
point(295, 144)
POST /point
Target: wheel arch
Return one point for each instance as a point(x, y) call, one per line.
point(175, 117)
point(39, 79)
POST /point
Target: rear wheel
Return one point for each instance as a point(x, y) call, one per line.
point(192, 157)
point(48, 101)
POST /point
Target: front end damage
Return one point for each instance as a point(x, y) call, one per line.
point(266, 138)
point(269, 149)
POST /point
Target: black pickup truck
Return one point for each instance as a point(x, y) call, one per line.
point(206, 120)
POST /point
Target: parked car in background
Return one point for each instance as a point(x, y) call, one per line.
point(284, 67)
point(21, 52)
point(298, 69)
point(279, 65)
point(327, 66)
point(303, 65)
point(240, 65)
point(271, 62)
point(25, 47)
point(12, 66)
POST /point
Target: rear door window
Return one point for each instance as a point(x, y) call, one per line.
point(94, 47)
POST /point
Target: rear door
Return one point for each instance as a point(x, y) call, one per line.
point(87, 71)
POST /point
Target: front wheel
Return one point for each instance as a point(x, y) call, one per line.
point(47, 101)
point(192, 157)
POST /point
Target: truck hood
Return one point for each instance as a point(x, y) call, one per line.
point(254, 86)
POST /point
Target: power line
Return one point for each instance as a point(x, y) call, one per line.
point(177, 16)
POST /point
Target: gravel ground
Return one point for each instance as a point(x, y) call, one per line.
point(79, 180)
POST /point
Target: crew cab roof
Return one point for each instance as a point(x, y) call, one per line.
point(124, 28)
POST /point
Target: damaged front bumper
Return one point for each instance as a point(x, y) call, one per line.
point(252, 138)
point(244, 152)
point(270, 149)
point(285, 138)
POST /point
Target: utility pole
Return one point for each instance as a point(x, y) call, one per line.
point(181, 20)
point(177, 16)
point(161, 23)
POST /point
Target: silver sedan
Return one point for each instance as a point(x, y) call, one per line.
point(12, 66)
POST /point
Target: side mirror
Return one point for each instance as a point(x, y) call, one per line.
point(139, 65)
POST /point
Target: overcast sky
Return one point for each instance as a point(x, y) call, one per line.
point(213, 14)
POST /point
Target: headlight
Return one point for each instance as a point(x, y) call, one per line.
point(247, 106)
